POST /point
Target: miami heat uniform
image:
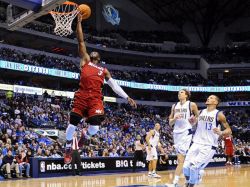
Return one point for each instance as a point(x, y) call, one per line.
point(154, 140)
point(88, 100)
point(182, 128)
point(229, 150)
point(205, 142)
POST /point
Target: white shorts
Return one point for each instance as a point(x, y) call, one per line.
point(199, 155)
point(152, 154)
point(182, 141)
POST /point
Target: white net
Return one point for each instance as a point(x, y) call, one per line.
point(64, 16)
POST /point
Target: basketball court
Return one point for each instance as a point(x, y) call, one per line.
point(232, 176)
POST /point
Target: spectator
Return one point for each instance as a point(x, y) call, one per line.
point(23, 163)
point(10, 163)
point(113, 153)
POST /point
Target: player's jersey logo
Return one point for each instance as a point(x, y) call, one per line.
point(98, 111)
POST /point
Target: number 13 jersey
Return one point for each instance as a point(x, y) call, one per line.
point(204, 134)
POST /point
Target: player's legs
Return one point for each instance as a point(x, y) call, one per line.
point(154, 162)
point(200, 162)
point(95, 114)
point(149, 159)
point(229, 152)
point(182, 144)
point(192, 153)
point(179, 168)
point(76, 114)
point(150, 168)
point(75, 118)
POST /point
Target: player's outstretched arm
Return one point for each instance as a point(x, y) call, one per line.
point(81, 44)
point(222, 119)
point(118, 90)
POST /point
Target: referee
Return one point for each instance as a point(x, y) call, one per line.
point(76, 159)
point(138, 155)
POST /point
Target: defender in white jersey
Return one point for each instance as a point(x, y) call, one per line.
point(153, 142)
point(180, 114)
point(205, 140)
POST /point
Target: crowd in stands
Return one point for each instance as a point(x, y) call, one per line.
point(21, 114)
point(37, 60)
point(233, 54)
point(185, 79)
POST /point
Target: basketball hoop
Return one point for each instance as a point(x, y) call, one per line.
point(64, 16)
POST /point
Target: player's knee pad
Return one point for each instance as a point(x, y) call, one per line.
point(96, 120)
point(75, 118)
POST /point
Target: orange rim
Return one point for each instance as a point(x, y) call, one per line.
point(65, 3)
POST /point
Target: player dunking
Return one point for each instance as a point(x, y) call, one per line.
point(205, 140)
point(180, 114)
point(88, 99)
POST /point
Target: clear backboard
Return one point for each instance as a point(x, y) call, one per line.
point(35, 9)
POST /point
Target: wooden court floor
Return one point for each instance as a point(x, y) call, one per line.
point(230, 176)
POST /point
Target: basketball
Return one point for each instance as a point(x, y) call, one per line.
point(84, 10)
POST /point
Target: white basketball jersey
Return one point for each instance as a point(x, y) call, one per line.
point(204, 134)
point(184, 110)
point(154, 140)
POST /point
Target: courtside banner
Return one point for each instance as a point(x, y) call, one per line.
point(47, 167)
point(51, 167)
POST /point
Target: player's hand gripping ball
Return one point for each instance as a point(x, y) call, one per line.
point(84, 10)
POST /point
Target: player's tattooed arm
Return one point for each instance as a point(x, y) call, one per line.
point(222, 119)
point(81, 44)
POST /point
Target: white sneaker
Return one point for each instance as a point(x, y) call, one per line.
point(175, 182)
point(154, 175)
point(150, 175)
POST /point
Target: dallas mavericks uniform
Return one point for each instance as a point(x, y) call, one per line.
point(154, 140)
point(182, 128)
point(204, 145)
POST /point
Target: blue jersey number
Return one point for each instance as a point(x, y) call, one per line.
point(209, 126)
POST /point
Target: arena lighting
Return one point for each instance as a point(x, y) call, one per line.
point(226, 71)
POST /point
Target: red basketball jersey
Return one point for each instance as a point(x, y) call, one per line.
point(228, 141)
point(92, 78)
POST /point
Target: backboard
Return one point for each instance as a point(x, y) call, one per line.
point(35, 9)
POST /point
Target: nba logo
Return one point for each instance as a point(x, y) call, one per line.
point(42, 166)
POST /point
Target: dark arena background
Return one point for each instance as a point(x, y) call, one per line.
point(153, 49)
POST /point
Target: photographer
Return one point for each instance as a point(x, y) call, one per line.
point(10, 163)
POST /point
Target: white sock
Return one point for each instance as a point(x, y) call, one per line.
point(176, 178)
point(149, 172)
point(153, 171)
point(70, 132)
